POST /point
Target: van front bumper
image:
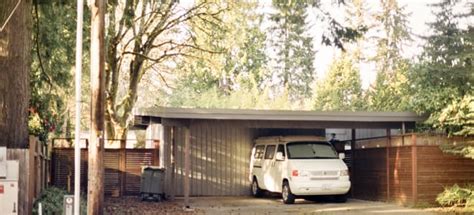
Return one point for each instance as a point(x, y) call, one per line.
point(333, 187)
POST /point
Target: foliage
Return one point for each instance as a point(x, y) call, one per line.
point(391, 93)
point(52, 67)
point(445, 73)
point(458, 117)
point(51, 200)
point(341, 89)
point(457, 196)
point(390, 90)
point(143, 36)
point(464, 149)
point(238, 67)
point(293, 49)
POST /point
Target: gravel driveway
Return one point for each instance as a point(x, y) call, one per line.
point(249, 205)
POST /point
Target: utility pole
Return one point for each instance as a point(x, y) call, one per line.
point(95, 194)
point(77, 131)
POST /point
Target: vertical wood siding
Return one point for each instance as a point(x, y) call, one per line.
point(220, 153)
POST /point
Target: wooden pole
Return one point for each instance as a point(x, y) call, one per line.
point(95, 195)
point(414, 169)
point(187, 166)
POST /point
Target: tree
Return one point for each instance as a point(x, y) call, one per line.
point(15, 58)
point(445, 72)
point(341, 90)
point(293, 50)
point(237, 68)
point(389, 91)
point(143, 36)
point(52, 68)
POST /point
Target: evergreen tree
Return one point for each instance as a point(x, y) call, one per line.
point(238, 68)
point(445, 74)
point(293, 58)
point(390, 65)
point(341, 89)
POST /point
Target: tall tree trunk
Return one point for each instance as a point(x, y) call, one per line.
point(15, 58)
point(96, 147)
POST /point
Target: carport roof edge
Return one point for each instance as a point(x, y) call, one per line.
point(277, 115)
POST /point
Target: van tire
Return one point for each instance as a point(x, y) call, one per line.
point(340, 198)
point(286, 195)
point(255, 189)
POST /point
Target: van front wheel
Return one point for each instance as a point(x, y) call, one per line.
point(256, 191)
point(286, 195)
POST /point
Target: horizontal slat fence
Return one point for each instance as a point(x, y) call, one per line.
point(122, 169)
point(417, 169)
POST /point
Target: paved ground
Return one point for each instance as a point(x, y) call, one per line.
point(250, 206)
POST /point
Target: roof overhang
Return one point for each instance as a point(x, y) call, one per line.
point(265, 118)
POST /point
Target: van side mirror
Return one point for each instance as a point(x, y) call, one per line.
point(279, 156)
point(342, 156)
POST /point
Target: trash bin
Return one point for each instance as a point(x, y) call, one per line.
point(152, 183)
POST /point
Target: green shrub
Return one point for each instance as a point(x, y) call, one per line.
point(52, 202)
point(457, 196)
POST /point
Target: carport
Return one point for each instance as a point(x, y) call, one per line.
point(206, 151)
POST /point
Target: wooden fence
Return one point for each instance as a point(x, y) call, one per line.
point(407, 169)
point(122, 169)
point(33, 173)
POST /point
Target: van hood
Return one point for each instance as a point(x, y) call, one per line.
point(317, 164)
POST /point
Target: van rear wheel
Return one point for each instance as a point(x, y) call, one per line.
point(256, 191)
point(286, 195)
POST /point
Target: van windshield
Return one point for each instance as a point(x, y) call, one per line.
point(310, 150)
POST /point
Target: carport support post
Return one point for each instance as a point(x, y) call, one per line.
point(187, 166)
point(387, 149)
point(353, 141)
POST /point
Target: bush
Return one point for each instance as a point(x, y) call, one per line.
point(52, 202)
point(457, 196)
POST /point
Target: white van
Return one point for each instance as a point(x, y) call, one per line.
point(298, 166)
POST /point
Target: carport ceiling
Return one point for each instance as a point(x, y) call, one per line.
point(278, 118)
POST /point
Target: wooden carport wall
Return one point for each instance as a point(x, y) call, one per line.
point(171, 118)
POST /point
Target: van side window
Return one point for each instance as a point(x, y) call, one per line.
point(259, 152)
point(270, 152)
point(281, 148)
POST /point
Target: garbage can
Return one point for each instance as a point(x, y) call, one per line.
point(152, 183)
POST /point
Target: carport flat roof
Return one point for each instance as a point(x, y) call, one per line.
point(277, 115)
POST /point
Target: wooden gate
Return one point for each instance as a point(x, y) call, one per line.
point(122, 169)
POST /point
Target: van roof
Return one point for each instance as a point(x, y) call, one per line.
point(285, 139)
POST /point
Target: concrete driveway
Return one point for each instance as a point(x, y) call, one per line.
point(271, 205)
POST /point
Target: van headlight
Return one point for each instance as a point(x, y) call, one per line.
point(344, 172)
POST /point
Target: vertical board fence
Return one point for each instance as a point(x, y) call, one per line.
point(122, 169)
point(417, 169)
point(33, 173)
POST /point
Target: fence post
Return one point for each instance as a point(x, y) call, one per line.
point(414, 169)
point(122, 165)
